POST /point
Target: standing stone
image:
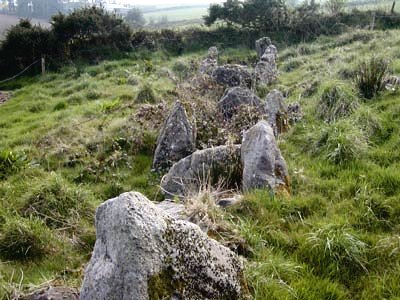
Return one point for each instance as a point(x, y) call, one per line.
point(263, 164)
point(236, 97)
point(176, 139)
point(261, 46)
point(232, 75)
point(266, 70)
point(143, 253)
point(208, 65)
point(209, 166)
point(277, 112)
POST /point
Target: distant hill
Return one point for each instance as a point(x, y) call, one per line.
point(6, 21)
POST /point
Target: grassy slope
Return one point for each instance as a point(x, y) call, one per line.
point(336, 238)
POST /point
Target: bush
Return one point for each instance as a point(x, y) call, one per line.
point(337, 100)
point(23, 239)
point(370, 76)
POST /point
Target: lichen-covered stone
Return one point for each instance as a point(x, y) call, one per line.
point(266, 70)
point(277, 112)
point(261, 45)
point(209, 166)
point(176, 139)
point(263, 164)
point(53, 293)
point(232, 75)
point(143, 253)
point(236, 97)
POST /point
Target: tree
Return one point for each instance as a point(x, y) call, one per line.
point(259, 14)
point(335, 7)
point(135, 17)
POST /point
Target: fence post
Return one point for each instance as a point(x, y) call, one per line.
point(43, 65)
point(393, 5)
point(372, 26)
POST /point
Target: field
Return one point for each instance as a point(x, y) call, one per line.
point(178, 14)
point(6, 21)
point(72, 139)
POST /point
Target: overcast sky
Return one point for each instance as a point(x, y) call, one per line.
point(171, 2)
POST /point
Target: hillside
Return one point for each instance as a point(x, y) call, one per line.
point(71, 140)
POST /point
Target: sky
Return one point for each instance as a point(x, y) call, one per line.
point(171, 2)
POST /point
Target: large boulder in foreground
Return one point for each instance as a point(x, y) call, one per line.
point(219, 165)
point(176, 139)
point(232, 75)
point(143, 253)
point(263, 164)
point(277, 112)
point(236, 97)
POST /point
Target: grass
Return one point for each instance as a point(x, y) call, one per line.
point(75, 138)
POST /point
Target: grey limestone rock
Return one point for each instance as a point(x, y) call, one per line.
point(277, 112)
point(176, 139)
point(209, 166)
point(143, 253)
point(232, 75)
point(234, 98)
point(263, 164)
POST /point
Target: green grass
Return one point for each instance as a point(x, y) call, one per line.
point(82, 135)
point(178, 14)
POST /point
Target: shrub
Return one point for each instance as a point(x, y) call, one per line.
point(60, 106)
point(337, 100)
point(23, 239)
point(341, 142)
point(370, 76)
point(146, 94)
point(181, 69)
point(336, 252)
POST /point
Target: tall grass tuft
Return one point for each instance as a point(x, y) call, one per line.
point(370, 76)
point(338, 100)
point(341, 142)
point(334, 251)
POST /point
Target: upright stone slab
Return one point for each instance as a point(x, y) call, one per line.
point(236, 97)
point(176, 139)
point(266, 70)
point(263, 164)
point(208, 65)
point(277, 112)
point(261, 45)
point(143, 253)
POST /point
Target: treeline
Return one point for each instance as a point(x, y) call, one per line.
point(92, 34)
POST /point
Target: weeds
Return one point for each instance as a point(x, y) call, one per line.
point(370, 76)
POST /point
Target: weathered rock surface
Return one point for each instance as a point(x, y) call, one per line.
point(142, 253)
point(209, 166)
point(294, 113)
point(213, 52)
point(277, 112)
point(261, 46)
point(232, 75)
point(236, 97)
point(266, 70)
point(53, 293)
point(176, 139)
point(263, 164)
point(172, 208)
point(208, 65)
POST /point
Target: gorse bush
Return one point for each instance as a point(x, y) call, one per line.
point(370, 76)
point(337, 100)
